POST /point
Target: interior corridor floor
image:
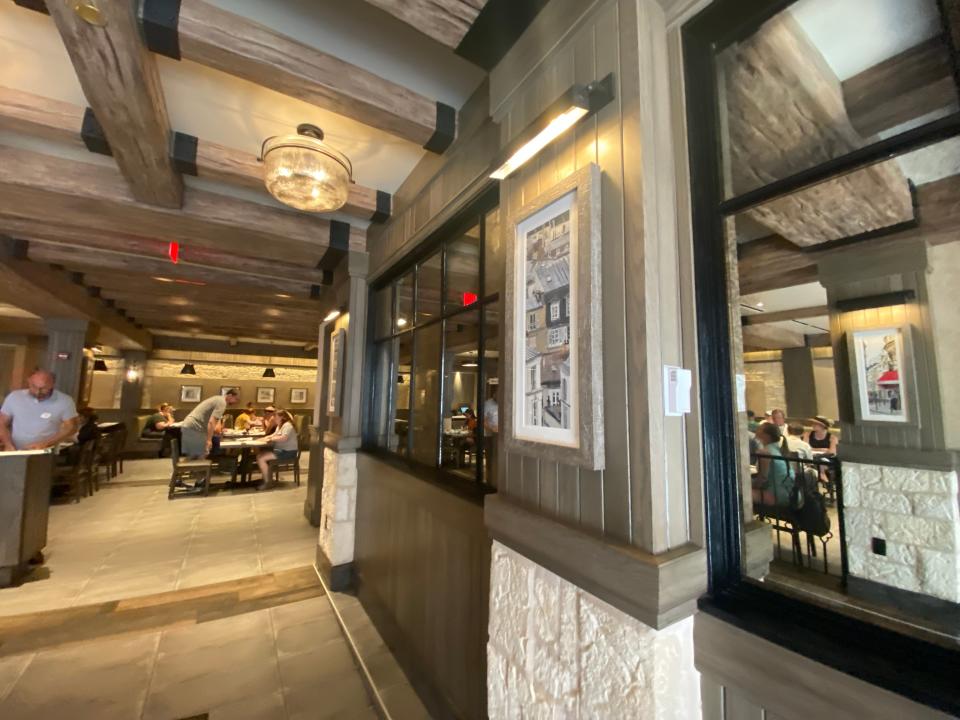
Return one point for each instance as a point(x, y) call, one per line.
point(196, 607)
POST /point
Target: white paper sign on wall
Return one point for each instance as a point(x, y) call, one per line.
point(677, 382)
point(741, 393)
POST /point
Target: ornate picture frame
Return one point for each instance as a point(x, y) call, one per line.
point(553, 380)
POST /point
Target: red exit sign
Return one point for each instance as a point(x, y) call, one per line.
point(469, 298)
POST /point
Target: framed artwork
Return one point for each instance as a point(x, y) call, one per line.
point(190, 393)
point(553, 379)
point(298, 396)
point(266, 395)
point(226, 388)
point(335, 375)
point(882, 375)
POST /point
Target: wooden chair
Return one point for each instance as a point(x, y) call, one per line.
point(76, 476)
point(277, 466)
point(187, 469)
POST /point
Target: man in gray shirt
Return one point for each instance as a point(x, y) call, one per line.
point(197, 429)
point(38, 416)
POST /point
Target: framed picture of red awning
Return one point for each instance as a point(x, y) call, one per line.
point(882, 375)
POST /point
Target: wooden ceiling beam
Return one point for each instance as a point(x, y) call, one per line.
point(49, 292)
point(122, 84)
point(239, 302)
point(785, 113)
point(772, 317)
point(246, 49)
point(150, 255)
point(37, 116)
point(905, 87)
point(445, 21)
point(112, 284)
point(35, 186)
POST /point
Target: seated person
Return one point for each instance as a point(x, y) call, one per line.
point(247, 418)
point(88, 426)
point(283, 444)
point(752, 423)
point(269, 419)
point(774, 479)
point(820, 438)
point(158, 422)
point(796, 443)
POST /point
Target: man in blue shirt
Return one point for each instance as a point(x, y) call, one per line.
point(37, 417)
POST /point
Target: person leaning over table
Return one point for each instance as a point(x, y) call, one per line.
point(37, 417)
point(198, 428)
point(283, 444)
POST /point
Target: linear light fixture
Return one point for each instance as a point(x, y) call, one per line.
point(574, 105)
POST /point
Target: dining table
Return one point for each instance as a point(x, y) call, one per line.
point(246, 446)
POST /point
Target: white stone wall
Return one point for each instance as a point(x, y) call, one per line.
point(556, 651)
point(916, 512)
point(338, 506)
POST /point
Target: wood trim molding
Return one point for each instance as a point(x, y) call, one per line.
point(780, 681)
point(658, 590)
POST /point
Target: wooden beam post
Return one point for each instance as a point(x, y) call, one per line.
point(121, 82)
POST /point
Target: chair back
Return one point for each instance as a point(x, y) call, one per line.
point(174, 452)
point(227, 421)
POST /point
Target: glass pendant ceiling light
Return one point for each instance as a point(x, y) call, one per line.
point(99, 365)
point(303, 172)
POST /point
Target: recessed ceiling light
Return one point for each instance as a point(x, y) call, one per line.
point(469, 364)
point(163, 279)
point(284, 295)
point(401, 322)
point(759, 304)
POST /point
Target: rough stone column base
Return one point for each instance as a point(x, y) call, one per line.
point(337, 519)
point(555, 650)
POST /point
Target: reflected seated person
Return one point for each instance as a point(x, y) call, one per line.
point(773, 481)
point(283, 445)
point(247, 419)
point(156, 427)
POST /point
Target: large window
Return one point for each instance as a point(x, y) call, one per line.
point(822, 311)
point(436, 355)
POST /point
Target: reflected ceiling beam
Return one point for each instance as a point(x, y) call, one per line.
point(121, 82)
point(797, 314)
point(58, 121)
point(150, 255)
point(446, 21)
point(36, 186)
point(49, 292)
point(907, 86)
point(763, 337)
point(785, 113)
point(246, 49)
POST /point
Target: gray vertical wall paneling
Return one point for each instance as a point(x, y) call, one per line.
point(928, 377)
point(589, 482)
point(711, 698)
point(531, 481)
point(514, 475)
point(616, 473)
point(736, 706)
point(568, 493)
point(549, 487)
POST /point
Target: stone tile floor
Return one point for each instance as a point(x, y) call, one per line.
point(288, 661)
point(129, 539)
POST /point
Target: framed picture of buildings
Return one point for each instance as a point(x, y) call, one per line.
point(882, 375)
point(266, 395)
point(553, 383)
point(298, 396)
point(335, 373)
point(190, 393)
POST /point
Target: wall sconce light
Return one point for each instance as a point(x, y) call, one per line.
point(269, 373)
point(574, 105)
point(133, 375)
point(188, 369)
point(99, 365)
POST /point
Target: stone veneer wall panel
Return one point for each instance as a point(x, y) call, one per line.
point(339, 506)
point(558, 651)
point(917, 513)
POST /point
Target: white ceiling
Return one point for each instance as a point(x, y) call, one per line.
point(798, 296)
point(220, 108)
point(854, 35)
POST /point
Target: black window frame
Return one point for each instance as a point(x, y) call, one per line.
point(909, 666)
point(474, 214)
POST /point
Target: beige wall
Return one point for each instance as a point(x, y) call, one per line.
point(942, 283)
point(21, 354)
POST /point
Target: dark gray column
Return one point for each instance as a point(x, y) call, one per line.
point(799, 383)
point(358, 268)
point(65, 341)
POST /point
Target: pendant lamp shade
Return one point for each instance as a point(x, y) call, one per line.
point(188, 369)
point(303, 172)
point(269, 373)
point(99, 365)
